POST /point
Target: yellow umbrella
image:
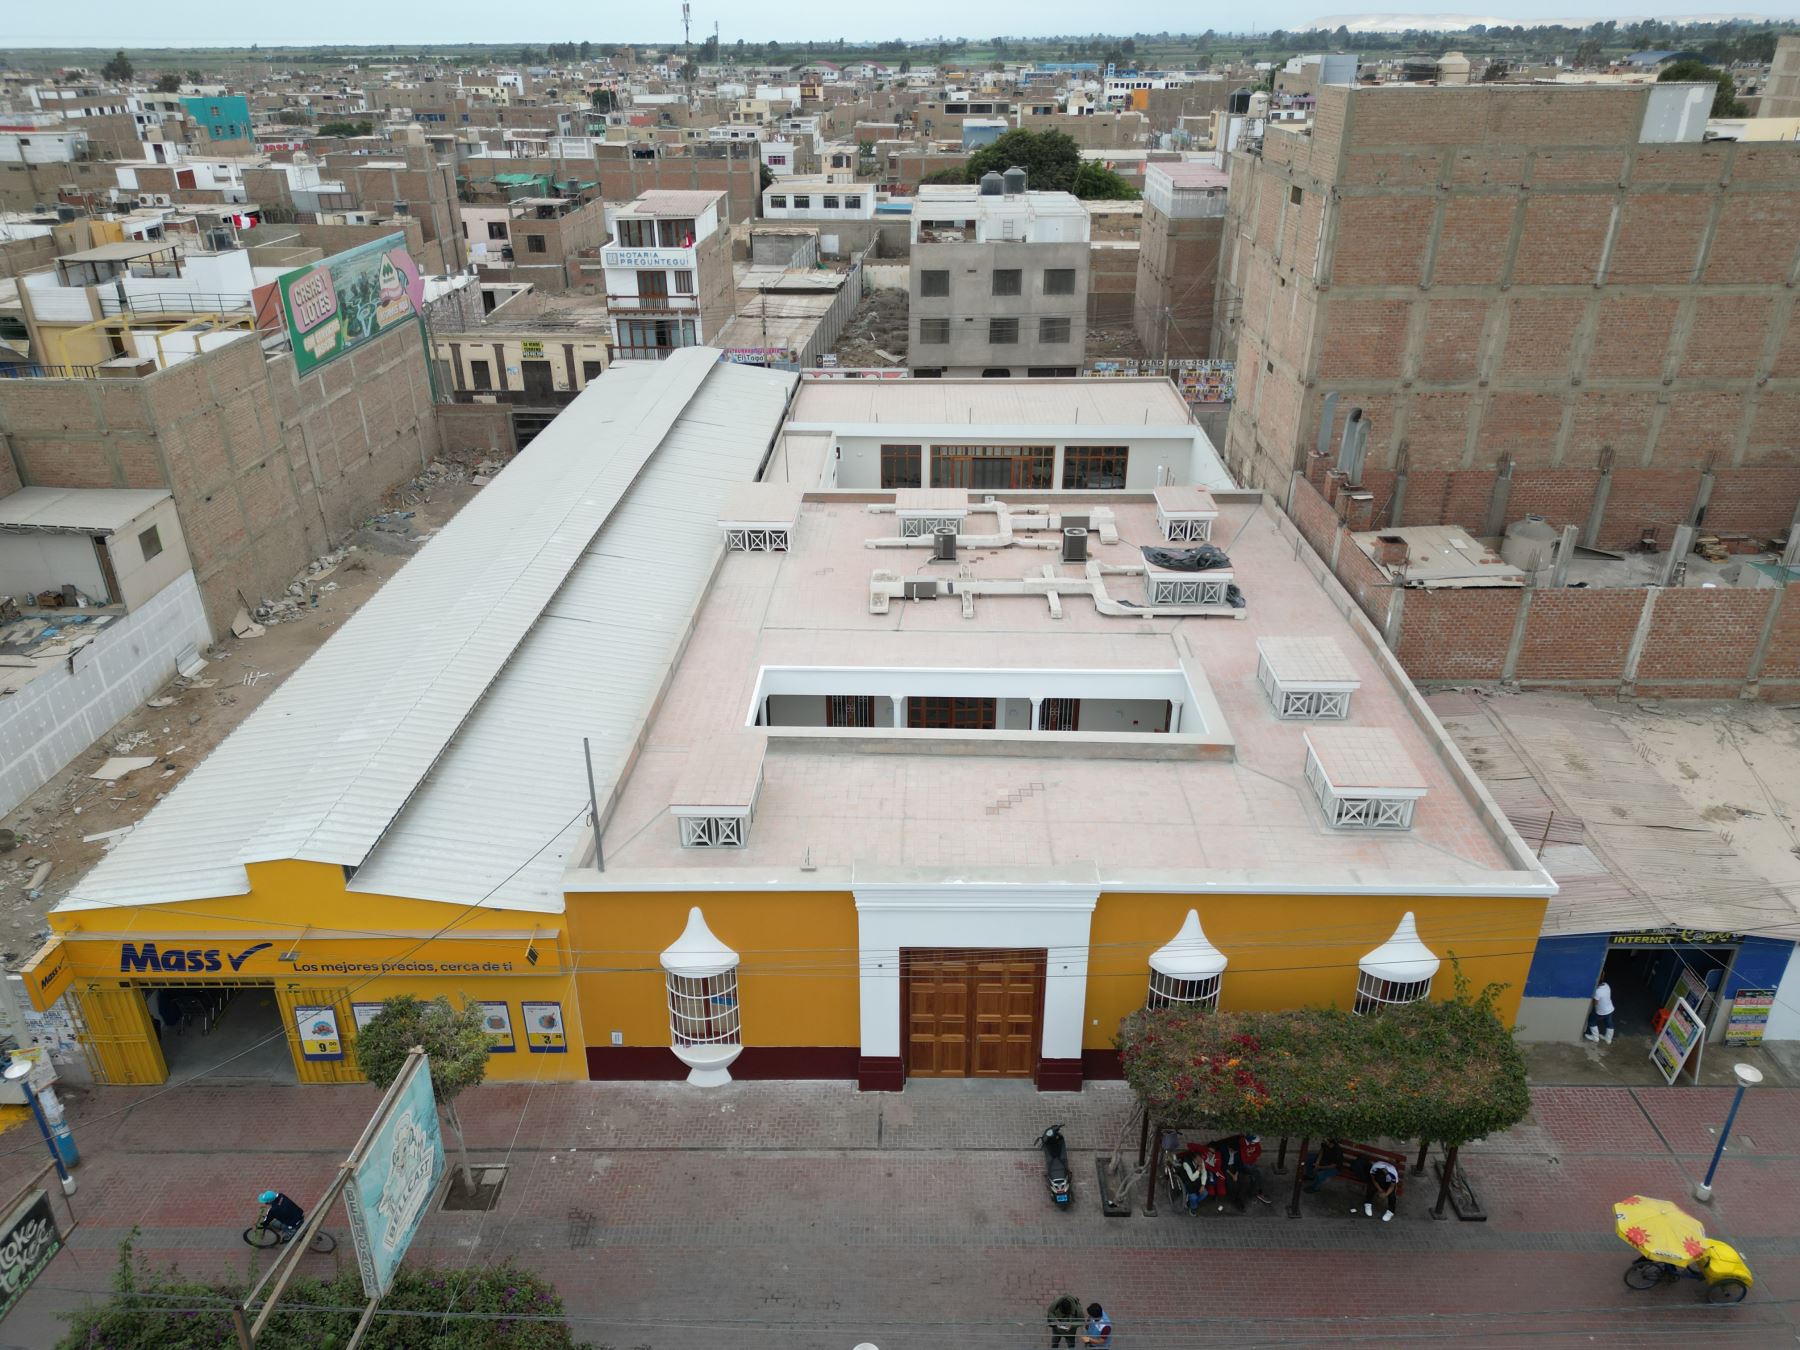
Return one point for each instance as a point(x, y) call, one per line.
point(1660, 1230)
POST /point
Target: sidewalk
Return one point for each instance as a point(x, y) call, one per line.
point(771, 1215)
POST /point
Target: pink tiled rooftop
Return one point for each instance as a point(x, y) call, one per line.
point(921, 808)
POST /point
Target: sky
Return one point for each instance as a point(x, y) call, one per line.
point(132, 23)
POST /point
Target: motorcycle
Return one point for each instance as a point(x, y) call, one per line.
point(1056, 1165)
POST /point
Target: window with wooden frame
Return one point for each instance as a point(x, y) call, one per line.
point(637, 233)
point(849, 710)
point(949, 713)
point(902, 466)
point(1059, 714)
point(993, 467)
point(1094, 467)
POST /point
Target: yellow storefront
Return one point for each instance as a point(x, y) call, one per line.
point(871, 983)
point(139, 980)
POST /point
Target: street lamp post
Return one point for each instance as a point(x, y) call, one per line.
point(1748, 1075)
point(18, 1071)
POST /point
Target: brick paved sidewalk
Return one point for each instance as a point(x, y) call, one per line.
point(782, 1215)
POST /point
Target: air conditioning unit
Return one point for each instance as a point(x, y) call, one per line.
point(921, 590)
point(1074, 545)
point(943, 543)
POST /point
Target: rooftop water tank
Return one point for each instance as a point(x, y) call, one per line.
point(1530, 544)
point(992, 185)
point(1014, 180)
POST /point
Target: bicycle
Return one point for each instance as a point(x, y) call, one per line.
point(263, 1234)
point(1646, 1273)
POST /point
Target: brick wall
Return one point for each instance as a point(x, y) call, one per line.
point(267, 470)
point(1580, 636)
point(1506, 272)
point(1456, 635)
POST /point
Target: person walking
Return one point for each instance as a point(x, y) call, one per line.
point(1098, 1330)
point(1065, 1318)
point(1601, 1018)
point(1384, 1183)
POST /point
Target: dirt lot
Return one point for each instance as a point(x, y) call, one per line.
point(185, 719)
point(878, 325)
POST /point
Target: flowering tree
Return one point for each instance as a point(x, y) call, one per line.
point(1447, 1071)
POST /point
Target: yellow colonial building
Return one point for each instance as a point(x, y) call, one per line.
point(940, 778)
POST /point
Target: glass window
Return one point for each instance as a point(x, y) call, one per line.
point(150, 542)
point(935, 282)
point(1008, 281)
point(779, 203)
point(1190, 995)
point(676, 233)
point(900, 466)
point(1053, 330)
point(684, 282)
point(1003, 331)
point(534, 243)
point(993, 467)
point(802, 201)
point(853, 203)
point(933, 331)
point(1093, 467)
point(496, 229)
point(703, 1010)
point(1374, 993)
point(637, 233)
point(829, 202)
point(1059, 281)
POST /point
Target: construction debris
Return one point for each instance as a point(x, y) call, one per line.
point(117, 768)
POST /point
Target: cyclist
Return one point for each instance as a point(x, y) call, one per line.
point(281, 1214)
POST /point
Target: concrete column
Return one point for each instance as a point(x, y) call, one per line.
point(899, 701)
point(1634, 653)
point(1697, 512)
point(1565, 554)
point(1037, 720)
point(1498, 499)
point(1761, 654)
point(1517, 645)
point(1590, 532)
point(1674, 562)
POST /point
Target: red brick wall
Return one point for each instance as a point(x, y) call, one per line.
point(1578, 635)
point(1457, 635)
point(1782, 663)
point(1697, 635)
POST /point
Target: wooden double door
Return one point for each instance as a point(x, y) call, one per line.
point(972, 1013)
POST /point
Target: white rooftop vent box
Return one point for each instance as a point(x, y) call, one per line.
point(760, 517)
point(925, 511)
point(715, 797)
point(1185, 514)
point(1306, 678)
point(1164, 588)
point(1363, 777)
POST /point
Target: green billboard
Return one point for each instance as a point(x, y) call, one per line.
point(336, 305)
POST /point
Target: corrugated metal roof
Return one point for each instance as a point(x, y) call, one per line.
point(502, 632)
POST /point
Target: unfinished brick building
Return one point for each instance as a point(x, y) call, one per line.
point(1553, 300)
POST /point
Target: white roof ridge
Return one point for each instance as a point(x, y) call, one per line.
point(357, 785)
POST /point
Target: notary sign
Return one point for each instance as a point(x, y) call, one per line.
point(335, 306)
point(393, 1175)
point(27, 1243)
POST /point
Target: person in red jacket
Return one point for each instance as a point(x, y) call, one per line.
point(1250, 1179)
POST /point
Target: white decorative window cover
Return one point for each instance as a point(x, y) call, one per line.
point(705, 1024)
point(1183, 530)
point(1167, 991)
point(713, 831)
point(1360, 812)
point(1185, 589)
point(757, 539)
point(914, 527)
point(1374, 993)
point(1306, 679)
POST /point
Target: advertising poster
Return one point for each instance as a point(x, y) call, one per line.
point(319, 1036)
point(335, 306)
point(1749, 1016)
point(27, 1243)
point(1680, 1034)
point(544, 1028)
point(496, 1020)
point(393, 1176)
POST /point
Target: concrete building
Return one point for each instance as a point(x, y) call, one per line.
point(669, 282)
point(1178, 258)
point(1781, 92)
point(1565, 285)
point(533, 239)
point(999, 281)
point(531, 355)
point(818, 199)
point(719, 718)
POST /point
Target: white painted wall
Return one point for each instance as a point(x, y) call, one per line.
point(62, 712)
point(33, 561)
point(1784, 1017)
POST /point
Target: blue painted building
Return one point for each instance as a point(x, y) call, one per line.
point(225, 117)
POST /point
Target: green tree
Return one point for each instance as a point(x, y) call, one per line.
point(1050, 159)
point(453, 1037)
point(1725, 102)
point(604, 100)
point(346, 128)
point(118, 67)
point(1095, 182)
point(585, 51)
point(168, 83)
point(1588, 54)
